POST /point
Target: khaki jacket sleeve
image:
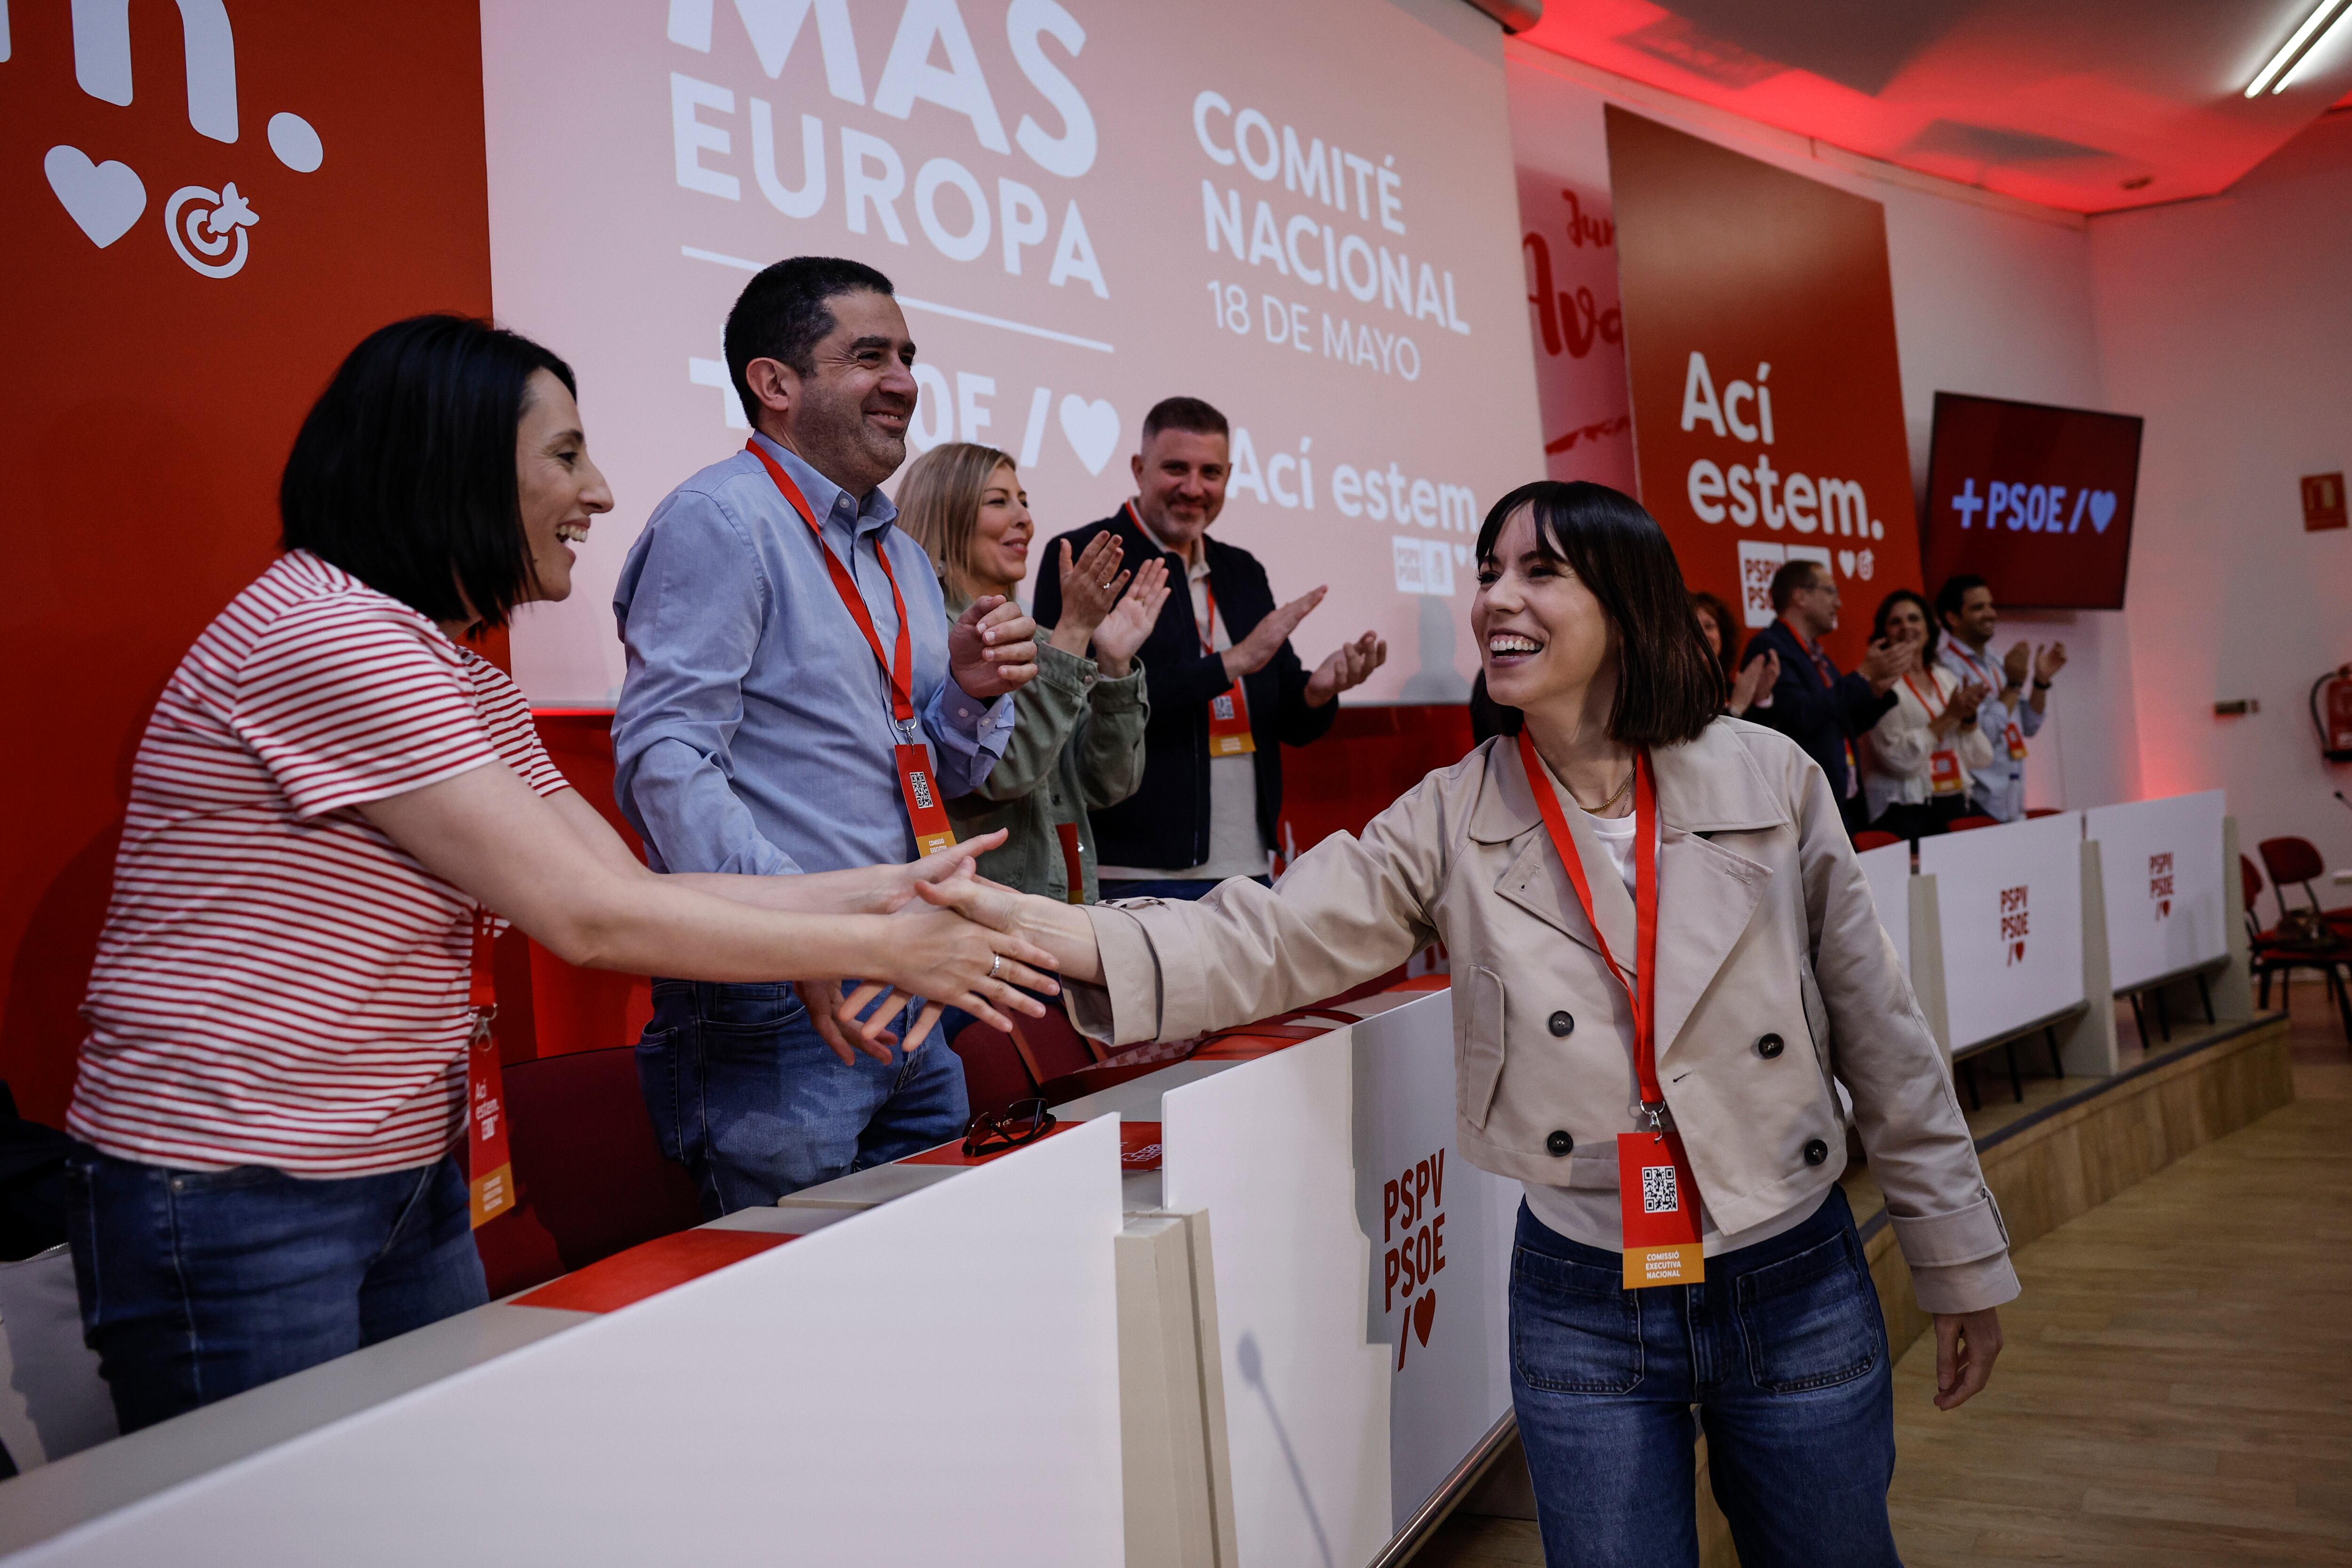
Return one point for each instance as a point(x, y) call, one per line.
point(1918, 1145)
point(1348, 910)
point(1043, 713)
point(1110, 739)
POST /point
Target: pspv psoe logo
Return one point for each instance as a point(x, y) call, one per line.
point(2014, 924)
point(1412, 1228)
point(2160, 884)
point(208, 228)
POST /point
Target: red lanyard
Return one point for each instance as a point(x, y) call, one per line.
point(1983, 677)
point(899, 666)
point(489, 1168)
point(1934, 713)
point(1642, 991)
point(1821, 664)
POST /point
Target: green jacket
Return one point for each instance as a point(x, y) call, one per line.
point(1076, 746)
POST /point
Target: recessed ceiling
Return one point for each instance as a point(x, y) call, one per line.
point(2088, 105)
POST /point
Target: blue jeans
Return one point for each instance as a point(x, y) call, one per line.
point(1784, 1353)
point(197, 1285)
point(1183, 888)
point(754, 1104)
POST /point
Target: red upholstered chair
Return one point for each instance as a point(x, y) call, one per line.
point(1963, 823)
point(1871, 838)
point(2298, 860)
point(589, 1179)
point(2273, 953)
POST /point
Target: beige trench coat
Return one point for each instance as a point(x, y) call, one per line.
point(1774, 982)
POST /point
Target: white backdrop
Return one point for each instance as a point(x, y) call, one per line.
point(2161, 863)
point(1305, 213)
point(2009, 899)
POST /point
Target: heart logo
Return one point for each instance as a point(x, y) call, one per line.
point(1423, 1311)
point(106, 198)
point(2017, 953)
point(2163, 907)
point(1092, 428)
point(1845, 561)
point(2103, 509)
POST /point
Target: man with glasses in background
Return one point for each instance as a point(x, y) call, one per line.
point(1824, 712)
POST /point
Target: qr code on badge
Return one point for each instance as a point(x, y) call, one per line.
point(1660, 1195)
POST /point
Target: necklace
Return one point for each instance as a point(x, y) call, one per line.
point(1615, 796)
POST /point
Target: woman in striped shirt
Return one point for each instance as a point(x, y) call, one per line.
point(331, 788)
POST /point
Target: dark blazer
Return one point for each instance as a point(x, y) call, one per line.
point(1820, 718)
point(1165, 824)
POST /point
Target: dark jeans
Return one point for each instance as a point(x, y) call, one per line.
point(197, 1285)
point(1782, 1350)
point(754, 1104)
point(1177, 888)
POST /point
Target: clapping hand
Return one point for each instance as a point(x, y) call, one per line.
point(2049, 662)
point(1962, 709)
point(1090, 586)
point(1889, 660)
point(1123, 630)
point(1755, 679)
point(992, 648)
point(1351, 664)
point(1248, 656)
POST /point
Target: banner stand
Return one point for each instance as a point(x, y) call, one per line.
point(2086, 1040)
point(1927, 962)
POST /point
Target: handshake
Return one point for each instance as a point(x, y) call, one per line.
point(943, 933)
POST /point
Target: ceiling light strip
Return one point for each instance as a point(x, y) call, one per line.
point(2306, 38)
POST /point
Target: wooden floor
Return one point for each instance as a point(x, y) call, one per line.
point(2177, 1387)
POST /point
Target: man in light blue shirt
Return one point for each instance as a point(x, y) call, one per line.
point(2012, 714)
point(755, 734)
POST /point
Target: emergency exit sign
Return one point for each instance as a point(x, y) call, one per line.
point(2323, 501)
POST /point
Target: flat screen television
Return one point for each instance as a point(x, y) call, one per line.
point(2036, 500)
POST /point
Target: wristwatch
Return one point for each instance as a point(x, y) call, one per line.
point(2039, 684)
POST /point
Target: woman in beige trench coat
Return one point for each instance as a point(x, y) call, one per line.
point(1774, 986)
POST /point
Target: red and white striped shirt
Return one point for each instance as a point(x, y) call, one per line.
point(278, 984)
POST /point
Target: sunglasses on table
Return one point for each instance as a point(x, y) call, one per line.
point(995, 1131)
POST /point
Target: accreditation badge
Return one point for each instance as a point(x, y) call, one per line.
point(490, 1186)
point(1658, 1205)
point(1944, 773)
point(2016, 739)
point(925, 811)
point(1229, 724)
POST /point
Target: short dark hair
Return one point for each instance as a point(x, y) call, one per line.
point(783, 314)
point(1955, 593)
point(1793, 578)
point(1183, 413)
point(404, 472)
point(1726, 629)
point(1886, 608)
point(1668, 687)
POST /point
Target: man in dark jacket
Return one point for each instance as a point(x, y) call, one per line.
point(1226, 690)
point(1823, 711)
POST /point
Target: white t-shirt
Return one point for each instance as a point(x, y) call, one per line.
point(1235, 847)
point(278, 983)
point(1592, 1215)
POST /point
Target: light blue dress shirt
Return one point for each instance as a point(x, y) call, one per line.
point(1998, 791)
point(753, 731)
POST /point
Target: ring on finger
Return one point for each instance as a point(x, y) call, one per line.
point(995, 966)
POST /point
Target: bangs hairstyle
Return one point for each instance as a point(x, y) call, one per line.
point(404, 472)
point(1669, 687)
point(938, 507)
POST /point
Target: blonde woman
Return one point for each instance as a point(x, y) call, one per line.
point(1078, 735)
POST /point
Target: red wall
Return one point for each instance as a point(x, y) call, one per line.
point(147, 408)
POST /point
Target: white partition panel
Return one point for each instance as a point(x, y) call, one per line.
point(2162, 861)
point(1887, 868)
point(1349, 1395)
point(2010, 903)
point(933, 1381)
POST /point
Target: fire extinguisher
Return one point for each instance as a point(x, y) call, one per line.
point(2331, 713)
